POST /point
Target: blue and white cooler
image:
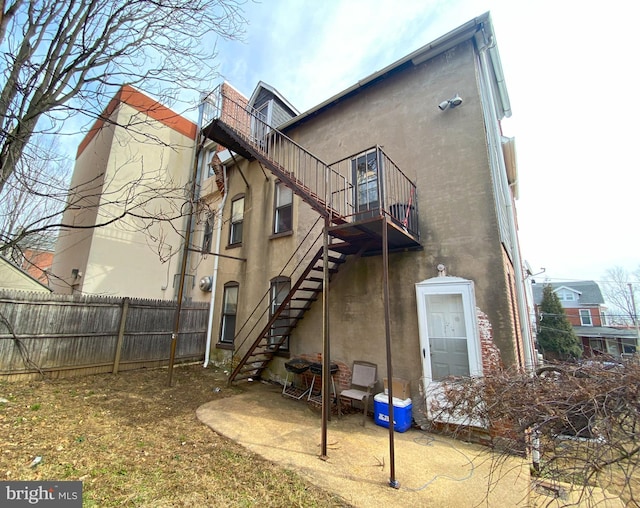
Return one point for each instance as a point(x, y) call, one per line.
point(401, 412)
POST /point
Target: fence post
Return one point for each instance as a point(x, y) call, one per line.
point(123, 319)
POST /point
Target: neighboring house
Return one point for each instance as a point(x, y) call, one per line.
point(410, 172)
point(584, 306)
point(13, 277)
point(37, 263)
point(138, 157)
point(37, 259)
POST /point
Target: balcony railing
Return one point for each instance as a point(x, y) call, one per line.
point(362, 186)
point(376, 187)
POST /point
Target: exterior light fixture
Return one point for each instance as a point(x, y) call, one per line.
point(451, 103)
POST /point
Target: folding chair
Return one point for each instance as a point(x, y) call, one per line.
point(363, 379)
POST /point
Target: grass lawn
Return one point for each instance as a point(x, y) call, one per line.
point(134, 441)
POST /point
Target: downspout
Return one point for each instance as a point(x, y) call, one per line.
point(216, 261)
point(494, 146)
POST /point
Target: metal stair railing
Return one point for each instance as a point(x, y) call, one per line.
point(265, 346)
point(252, 314)
point(308, 176)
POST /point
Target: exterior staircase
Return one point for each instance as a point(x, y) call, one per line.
point(306, 290)
point(329, 189)
point(230, 121)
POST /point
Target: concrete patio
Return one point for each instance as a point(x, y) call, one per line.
point(432, 470)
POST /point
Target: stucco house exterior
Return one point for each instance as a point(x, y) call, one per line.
point(585, 308)
point(381, 219)
point(137, 158)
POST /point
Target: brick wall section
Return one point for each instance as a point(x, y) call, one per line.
point(491, 359)
point(234, 110)
point(342, 378)
point(37, 263)
point(514, 313)
point(573, 315)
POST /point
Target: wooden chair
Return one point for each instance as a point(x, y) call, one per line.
point(363, 379)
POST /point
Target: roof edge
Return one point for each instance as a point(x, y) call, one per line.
point(269, 88)
point(140, 101)
point(431, 50)
point(24, 272)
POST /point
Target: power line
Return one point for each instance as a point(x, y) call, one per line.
point(563, 279)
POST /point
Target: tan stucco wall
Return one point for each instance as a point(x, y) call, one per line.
point(73, 245)
point(125, 257)
point(445, 152)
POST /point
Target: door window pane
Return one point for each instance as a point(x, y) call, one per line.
point(447, 336)
point(365, 169)
point(207, 236)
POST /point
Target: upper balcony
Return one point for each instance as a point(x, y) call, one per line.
point(356, 193)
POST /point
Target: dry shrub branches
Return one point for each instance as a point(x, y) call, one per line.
point(579, 423)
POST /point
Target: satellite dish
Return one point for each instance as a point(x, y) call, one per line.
point(206, 283)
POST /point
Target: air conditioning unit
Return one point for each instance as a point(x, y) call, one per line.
point(206, 283)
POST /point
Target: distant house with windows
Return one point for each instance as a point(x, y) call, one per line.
point(585, 308)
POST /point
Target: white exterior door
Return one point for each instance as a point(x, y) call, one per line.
point(449, 343)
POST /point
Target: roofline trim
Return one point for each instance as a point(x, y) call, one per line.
point(269, 88)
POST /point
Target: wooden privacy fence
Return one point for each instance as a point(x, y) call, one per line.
point(63, 335)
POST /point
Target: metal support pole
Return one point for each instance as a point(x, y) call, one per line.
point(387, 331)
point(635, 317)
point(326, 359)
point(183, 265)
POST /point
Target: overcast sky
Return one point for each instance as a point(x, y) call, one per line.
point(572, 75)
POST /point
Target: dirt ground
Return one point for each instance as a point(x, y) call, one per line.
point(134, 441)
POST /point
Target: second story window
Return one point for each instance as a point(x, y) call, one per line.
point(204, 164)
point(208, 234)
point(585, 317)
point(283, 219)
point(565, 295)
point(237, 220)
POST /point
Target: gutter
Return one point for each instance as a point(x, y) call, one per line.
point(216, 262)
point(495, 145)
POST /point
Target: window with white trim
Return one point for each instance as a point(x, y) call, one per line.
point(204, 164)
point(564, 295)
point(585, 317)
point(237, 220)
point(283, 216)
point(229, 311)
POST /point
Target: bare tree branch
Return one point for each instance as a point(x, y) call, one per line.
point(61, 58)
point(617, 292)
point(578, 423)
